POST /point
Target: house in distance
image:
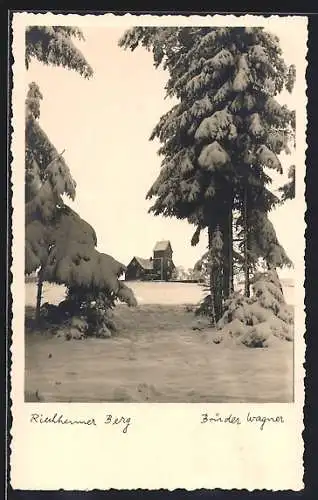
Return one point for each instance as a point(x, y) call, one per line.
point(159, 267)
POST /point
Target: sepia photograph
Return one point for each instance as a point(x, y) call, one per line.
point(159, 204)
point(158, 194)
point(159, 199)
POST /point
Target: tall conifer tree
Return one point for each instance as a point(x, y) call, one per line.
point(59, 244)
point(224, 134)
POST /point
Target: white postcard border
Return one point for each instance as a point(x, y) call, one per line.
point(166, 446)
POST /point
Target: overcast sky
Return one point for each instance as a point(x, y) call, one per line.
point(104, 124)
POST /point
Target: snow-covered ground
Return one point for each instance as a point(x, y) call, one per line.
point(147, 292)
point(158, 357)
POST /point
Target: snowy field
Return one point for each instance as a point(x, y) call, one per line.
point(146, 293)
point(156, 356)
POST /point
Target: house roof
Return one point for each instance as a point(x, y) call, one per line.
point(161, 246)
point(145, 263)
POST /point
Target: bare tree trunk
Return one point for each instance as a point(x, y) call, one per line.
point(226, 257)
point(231, 274)
point(212, 295)
point(39, 295)
point(246, 257)
point(211, 278)
point(218, 300)
point(216, 284)
point(227, 235)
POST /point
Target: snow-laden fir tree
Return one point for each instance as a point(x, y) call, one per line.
point(288, 189)
point(260, 320)
point(54, 46)
point(59, 244)
point(224, 135)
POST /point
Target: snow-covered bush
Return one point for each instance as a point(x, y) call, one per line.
point(259, 320)
point(86, 312)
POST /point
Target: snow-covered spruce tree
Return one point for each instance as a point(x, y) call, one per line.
point(288, 189)
point(54, 46)
point(51, 45)
point(226, 130)
point(259, 320)
point(47, 179)
point(59, 244)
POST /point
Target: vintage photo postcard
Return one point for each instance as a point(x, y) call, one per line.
point(158, 251)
